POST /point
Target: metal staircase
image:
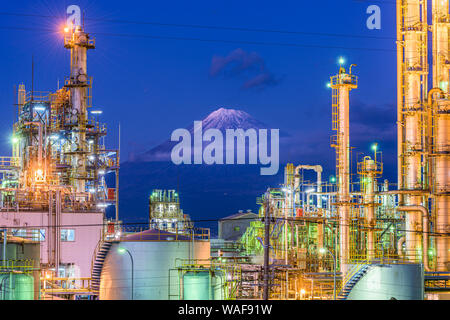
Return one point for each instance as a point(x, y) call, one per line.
point(98, 264)
point(349, 282)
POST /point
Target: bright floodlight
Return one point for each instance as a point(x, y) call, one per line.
point(322, 250)
point(121, 250)
point(374, 147)
point(39, 108)
point(96, 111)
point(15, 140)
point(341, 60)
point(66, 29)
point(328, 85)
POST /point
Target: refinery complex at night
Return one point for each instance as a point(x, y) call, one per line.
point(353, 235)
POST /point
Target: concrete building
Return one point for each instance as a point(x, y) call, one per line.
point(234, 226)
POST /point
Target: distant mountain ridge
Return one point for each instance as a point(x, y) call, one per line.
point(220, 119)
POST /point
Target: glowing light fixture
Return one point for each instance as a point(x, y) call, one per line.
point(15, 139)
point(39, 108)
point(322, 250)
point(375, 146)
point(341, 60)
point(96, 111)
point(39, 175)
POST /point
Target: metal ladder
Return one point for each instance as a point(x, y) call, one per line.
point(348, 283)
point(98, 265)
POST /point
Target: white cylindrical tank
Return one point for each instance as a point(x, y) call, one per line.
point(150, 270)
point(389, 282)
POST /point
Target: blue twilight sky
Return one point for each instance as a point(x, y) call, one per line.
point(153, 86)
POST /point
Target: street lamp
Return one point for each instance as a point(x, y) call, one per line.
point(122, 250)
point(323, 251)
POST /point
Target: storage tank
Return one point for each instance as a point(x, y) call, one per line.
point(144, 267)
point(203, 285)
point(16, 286)
point(197, 286)
point(390, 281)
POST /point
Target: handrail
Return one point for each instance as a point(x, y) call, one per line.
point(9, 161)
point(66, 285)
point(94, 255)
point(354, 270)
point(17, 265)
point(202, 234)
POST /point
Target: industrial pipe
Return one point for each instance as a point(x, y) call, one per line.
point(424, 227)
point(40, 143)
point(430, 94)
point(318, 169)
point(5, 237)
point(400, 243)
point(440, 178)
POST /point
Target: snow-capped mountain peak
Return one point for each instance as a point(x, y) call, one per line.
point(224, 118)
point(221, 119)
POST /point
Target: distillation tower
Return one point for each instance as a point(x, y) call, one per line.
point(440, 132)
point(341, 85)
point(422, 116)
point(346, 228)
point(53, 188)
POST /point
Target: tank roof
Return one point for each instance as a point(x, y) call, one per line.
point(156, 235)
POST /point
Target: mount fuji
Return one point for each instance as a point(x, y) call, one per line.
point(207, 192)
point(221, 119)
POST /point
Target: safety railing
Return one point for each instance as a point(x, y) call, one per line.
point(36, 96)
point(354, 270)
point(80, 81)
point(58, 285)
point(69, 41)
point(138, 234)
point(16, 265)
point(437, 281)
point(9, 162)
point(344, 78)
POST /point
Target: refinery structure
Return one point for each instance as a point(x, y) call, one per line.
point(356, 236)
